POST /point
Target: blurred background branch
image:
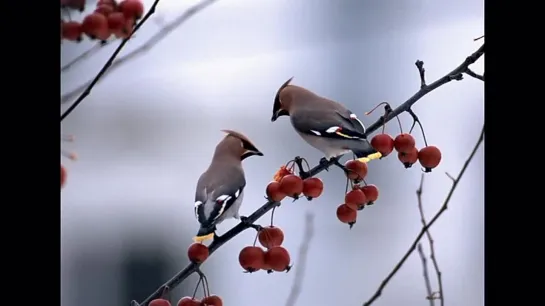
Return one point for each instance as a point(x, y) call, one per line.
point(301, 260)
point(431, 244)
point(444, 207)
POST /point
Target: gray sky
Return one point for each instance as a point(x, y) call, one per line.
point(149, 129)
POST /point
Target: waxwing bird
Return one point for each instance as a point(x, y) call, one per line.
point(324, 124)
point(220, 188)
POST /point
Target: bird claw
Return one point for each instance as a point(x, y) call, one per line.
point(324, 163)
point(247, 222)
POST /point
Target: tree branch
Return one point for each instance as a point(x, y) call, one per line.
point(260, 212)
point(426, 275)
point(301, 260)
point(455, 74)
point(431, 245)
point(443, 208)
point(114, 63)
point(475, 75)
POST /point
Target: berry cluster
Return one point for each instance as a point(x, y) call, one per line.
point(407, 153)
point(287, 184)
point(405, 145)
point(109, 18)
point(360, 195)
point(274, 258)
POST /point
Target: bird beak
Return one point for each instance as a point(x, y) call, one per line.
point(274, 117)
point(258, 153)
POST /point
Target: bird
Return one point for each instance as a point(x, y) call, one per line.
point(325, 124)
point(220, 189)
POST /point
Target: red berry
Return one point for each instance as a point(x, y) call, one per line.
point(313, 187)
point(189, 301)
point(404, 143)
point(429, 157)
point(63, 175)
point(383, 143)
point(116, 21)
point(271, 236)
point(126, 30)
point(95, 25)
point(291, 185)
point(357, 170)
point(198, 252)
point(371, 193)
point(132, 8)
point(345, 214)
point(159, 302)
point(71, 30)
point(212, 300)
point(105, 9)
point(355, 199)
point(278, 259)
point(274, 193)
point(408, 159)
point(251, 258)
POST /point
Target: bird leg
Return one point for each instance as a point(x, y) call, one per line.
point(247, 222)
point(324, 163)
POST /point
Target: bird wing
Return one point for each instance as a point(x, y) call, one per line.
point(329, 123)
point(221, 191)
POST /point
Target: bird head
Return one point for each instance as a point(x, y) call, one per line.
point(281, 102)
point(238, 144)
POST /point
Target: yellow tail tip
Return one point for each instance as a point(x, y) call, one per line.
point(370, 157)
point(200, 239)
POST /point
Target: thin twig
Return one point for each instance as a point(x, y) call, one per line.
point(431, 244)
point(443, 208)
point(426, 275)
point(260, 212)
point(94, 49)
point(475, 75)
point(301, 260)
point(113, 63)
point(453, 75)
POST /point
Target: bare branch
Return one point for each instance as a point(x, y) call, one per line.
point(113, 63)
point(453, 75)
point(444, 207)
point(302, 260)
point(426, 275)
point(431, 245)
point(475, 75)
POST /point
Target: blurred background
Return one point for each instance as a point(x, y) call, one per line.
point(149, 129)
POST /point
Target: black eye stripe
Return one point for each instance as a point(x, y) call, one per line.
point(248, 146)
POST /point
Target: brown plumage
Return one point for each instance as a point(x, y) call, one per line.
point(220, 188)
point(323, 123)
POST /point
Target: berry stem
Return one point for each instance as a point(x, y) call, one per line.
point(372, 110)
point(206, 287)
point(272, 216)
point(255, 239)
point(346, 188)
point(415, 121)
point(197, 287)
point(400, 127)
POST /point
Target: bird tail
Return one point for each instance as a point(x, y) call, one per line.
point(365, 152)
point(205, 233)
